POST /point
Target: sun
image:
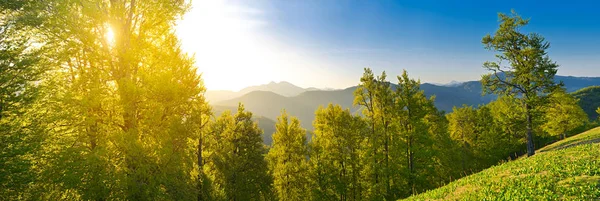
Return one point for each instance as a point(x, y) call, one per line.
point(109, 35)
point(215, 32)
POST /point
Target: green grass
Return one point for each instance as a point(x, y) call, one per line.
point(566, 170)
point(588, 137)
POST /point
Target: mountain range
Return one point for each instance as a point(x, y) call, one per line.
point(267, 101)
point(282, 88)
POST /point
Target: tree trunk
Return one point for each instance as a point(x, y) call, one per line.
point(410, 166)
point(530, 146)
point(388, 190)
point(200, 170)
point(464, 171)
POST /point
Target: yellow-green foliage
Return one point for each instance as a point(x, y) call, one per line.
point(523, 68)
point(288, 159)
point(234, 164)
point(563, 114)
point(335, 166)
point(566, 170)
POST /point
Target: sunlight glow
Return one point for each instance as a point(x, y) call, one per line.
point(109, 35)
point(233, 51)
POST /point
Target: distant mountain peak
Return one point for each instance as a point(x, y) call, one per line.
point(452, 83)
point(282, 88)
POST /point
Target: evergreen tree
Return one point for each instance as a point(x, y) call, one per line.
point(529, 72)
point(288, 159)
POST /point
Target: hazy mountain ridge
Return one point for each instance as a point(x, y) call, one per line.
point(269, 104)
point(282, 88)
point(267, 124)
point(573, 83)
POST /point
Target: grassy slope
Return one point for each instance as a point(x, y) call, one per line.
point(568, 169)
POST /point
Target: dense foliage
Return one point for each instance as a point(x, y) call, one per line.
point(589, 100)
point(563, 114)
point(84, 116)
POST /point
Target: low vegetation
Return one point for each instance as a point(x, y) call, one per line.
point(566, 170)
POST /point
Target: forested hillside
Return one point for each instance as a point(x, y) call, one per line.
point(98, 101)
point(589, 100)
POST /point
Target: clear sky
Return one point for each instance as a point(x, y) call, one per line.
point(327, 43)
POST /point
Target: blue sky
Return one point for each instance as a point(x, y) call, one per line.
point(324, 43)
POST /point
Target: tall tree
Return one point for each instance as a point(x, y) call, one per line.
point(463, 128)
point(288, 159)
point(413, 109)
point(529, 72)
point(375, 95)
point(335, 155)
point(236, 162)
point(563, 114)
point(200, 119)
point(440, 162)
point(509, 118)
point(123, 107)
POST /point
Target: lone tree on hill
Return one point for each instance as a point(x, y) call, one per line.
point(523, 67)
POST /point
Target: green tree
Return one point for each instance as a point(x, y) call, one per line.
point(406, 140)
point(463, 129)
point(441, 165)
point(482, 141)
point(413, 110)
point(122, 113)
point(236, 164)
point(529, 72)
point(21, 66)
point(200, 116)
point(288, 159)
point(509, 117)
point(375, 96)
point(598, 111)
point(335, 155)
point(563, 114)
